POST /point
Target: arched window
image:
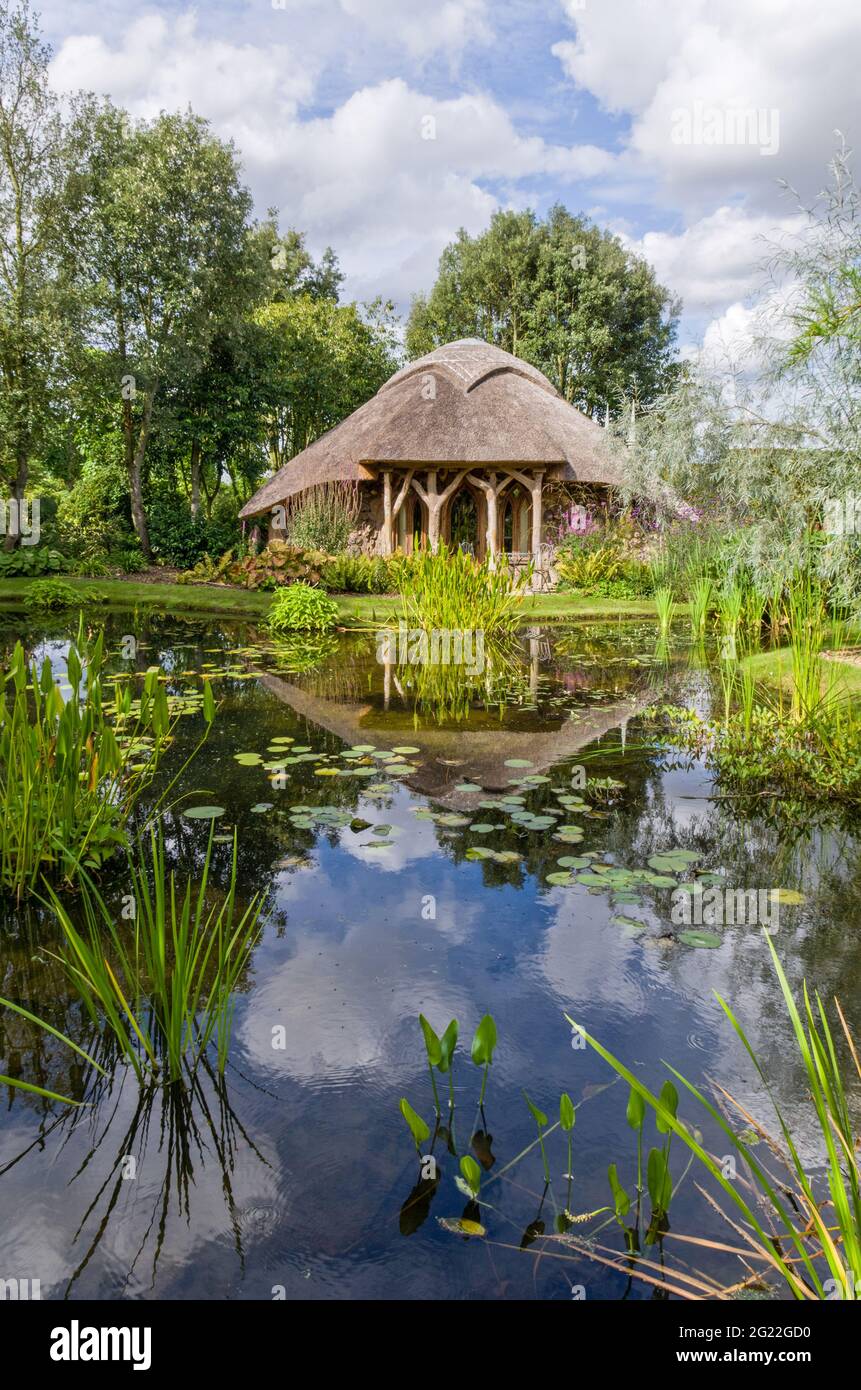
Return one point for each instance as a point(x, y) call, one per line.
point(515, 520)
point(463, 526)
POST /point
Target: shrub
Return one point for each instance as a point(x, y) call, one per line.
point(583, 567)
point(176, 536)
point(302, 608)
point(280, 563)
point(51, 595)
point(324, 521)
point(29, 561)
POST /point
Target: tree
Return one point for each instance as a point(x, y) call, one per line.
point(325, 360)
point(563, 295)
point(158, 234)
point(31, 140)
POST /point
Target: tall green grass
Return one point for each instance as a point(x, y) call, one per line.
point(449, 590)
point(163, 984)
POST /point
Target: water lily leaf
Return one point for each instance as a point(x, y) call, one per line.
point(573, 861)
point(248, 759)
point(560, 880)
point(700, 938)
point(478, 852)
point(203, 812)
point(518, 762)
point(630, 922)
point(467, 787)
point(405, 749)
point(260, 807)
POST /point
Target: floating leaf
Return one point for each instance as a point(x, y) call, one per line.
point(699, 938)
point(203, 812)
point(560, 880)
point(459, 1226)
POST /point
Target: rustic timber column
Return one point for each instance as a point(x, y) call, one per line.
point(537, 515)
point(492, 491)
point(386, 542)
point(435, 501)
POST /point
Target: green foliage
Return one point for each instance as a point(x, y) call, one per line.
point(471, 1174)
point(277, 564)
point(302, 608)
point(360, 574)
point(51, 595)
point(323, 520)
point(176, 536)
point(164, 985)
point(28, 561)
point(417, 1126)
point(583, 567)
point(71, 773)
point(562, 294)
point(449, 590)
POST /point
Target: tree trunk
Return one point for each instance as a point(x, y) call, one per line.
point(195, 477)
point(135, 452)
point(13, 538)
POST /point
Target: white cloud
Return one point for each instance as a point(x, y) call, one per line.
point(422, 29)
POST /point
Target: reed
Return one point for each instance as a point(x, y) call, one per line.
point(701, 605)
point(166, 987)
point(811, 1239)
point(666, 606)
point(449, 591)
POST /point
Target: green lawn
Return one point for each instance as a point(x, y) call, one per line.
point(359, 610)
point(775, 668)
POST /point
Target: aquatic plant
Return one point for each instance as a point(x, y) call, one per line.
point(301, 608)
point(540, 1121)
point(666, 608)
point(20, 1085)
point(72, 769)
point(164, 985)
point(448, 590)
point(804, 1233)
point(52, 595)
point(483, 1045)
point(701, 604)
point(418, 1128)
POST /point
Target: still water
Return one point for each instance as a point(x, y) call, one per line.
point(405, 843)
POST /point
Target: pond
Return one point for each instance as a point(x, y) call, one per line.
point(416, 858)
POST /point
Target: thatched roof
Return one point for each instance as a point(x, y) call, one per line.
point(465, 404)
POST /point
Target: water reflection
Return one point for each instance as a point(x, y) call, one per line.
point(297, 1172)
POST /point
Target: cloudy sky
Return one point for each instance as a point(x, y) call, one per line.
point(382, 126)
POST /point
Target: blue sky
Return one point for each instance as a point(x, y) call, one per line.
point(628, 110)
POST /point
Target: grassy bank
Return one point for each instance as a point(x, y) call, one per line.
point(356, 609)
point(775, 668)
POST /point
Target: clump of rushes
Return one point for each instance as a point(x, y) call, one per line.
point(73, 770)
point(483, 1045)
point(701, 605)
point(449, 591)
point(666, 606)
point(165, 988)
point(540, 1121)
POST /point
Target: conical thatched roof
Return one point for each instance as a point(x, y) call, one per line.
point(467, 403)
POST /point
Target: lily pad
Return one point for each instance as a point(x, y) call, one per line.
point(700, 938)
point(203, 812)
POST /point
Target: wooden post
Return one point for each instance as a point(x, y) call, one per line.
point(492, 491)
point(435, 501)
point(537, 516)
point(386, 543)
